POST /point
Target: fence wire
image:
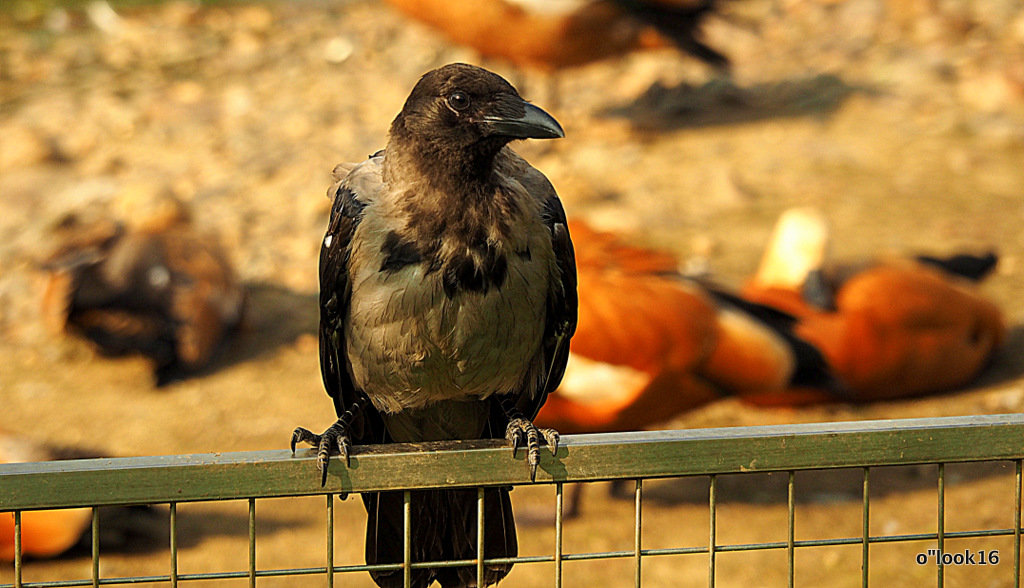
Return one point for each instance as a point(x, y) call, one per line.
point(252, 476)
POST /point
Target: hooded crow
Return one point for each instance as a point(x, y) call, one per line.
point(447, 300)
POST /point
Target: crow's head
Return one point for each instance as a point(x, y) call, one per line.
point(461, 108)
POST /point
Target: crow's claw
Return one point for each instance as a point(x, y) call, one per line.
point(522, 431)
point(301, 435)
point(551, 438)
point(333, 440)
point(513, 435)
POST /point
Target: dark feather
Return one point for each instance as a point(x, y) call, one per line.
point(812, 370)
point(398, 253)
point(563, 305)
point(463, 273)
point(680, 23)
point(335, 289)
point(971, 267)
point(445, 528)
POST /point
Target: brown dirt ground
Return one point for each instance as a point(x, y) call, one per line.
point(902, 120)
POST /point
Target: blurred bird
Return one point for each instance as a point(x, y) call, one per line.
point(160, 289)
point(651, 345)
point(65, 532)
point(44, 533)
point(889, 327)
point(555, 34)
point(447, 300)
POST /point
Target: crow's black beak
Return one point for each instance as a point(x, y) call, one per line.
point(533, 123)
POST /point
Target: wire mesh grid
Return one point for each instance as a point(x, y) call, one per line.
point(252, 476)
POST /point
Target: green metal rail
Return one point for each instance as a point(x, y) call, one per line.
point(637, 456)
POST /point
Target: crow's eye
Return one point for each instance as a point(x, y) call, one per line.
point(458, 100)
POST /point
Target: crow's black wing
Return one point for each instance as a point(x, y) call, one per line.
point(336, 290)
point(563, 300)
point(562, 305)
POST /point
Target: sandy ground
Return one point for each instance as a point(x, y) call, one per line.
point(903, 120)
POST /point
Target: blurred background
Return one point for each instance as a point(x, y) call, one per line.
point(901, 120)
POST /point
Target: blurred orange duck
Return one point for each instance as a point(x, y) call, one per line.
point(161, 289)
point(889, 328)
point(650, 344)
point(44, 533)
point(555, 34)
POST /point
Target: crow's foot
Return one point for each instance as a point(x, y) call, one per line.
point(520, 431)
point(334, 440)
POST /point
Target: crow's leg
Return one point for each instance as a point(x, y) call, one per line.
point(620, 489)
point(575, 500)
point(520, 431)
point(334, 438)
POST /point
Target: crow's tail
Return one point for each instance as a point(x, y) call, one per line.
point(443, 526)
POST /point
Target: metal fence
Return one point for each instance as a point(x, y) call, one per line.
point(251, 476)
